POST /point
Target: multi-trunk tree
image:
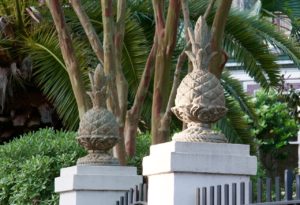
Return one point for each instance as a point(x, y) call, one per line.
point(158, 62)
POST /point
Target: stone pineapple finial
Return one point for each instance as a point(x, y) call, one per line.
point(200, 97)
point(98, 129)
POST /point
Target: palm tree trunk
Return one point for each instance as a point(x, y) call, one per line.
point(69, 56)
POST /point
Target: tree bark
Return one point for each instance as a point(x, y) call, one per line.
point(134, 114)
point(69, 57)
point(121, 82)
point(113, 42)
point(166, 35)
point(217, 63)
point(111, 70)
point(187, 25)
point(186, 18)
point(166, 119)
point(209, 8)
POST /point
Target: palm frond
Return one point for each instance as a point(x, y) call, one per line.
point(51, 75)
point(289, 46)
point(234, 126)
point(135, 53)
point(234, 88)
point(197, 8)
point(248, 48)
point(4, 9)
point(93, 10)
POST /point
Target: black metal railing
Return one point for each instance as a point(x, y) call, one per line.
point(263, 192)
point(136, 196)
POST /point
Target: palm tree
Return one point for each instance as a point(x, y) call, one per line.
point(22, 105)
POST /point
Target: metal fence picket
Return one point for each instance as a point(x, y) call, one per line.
point(263, 194)
point(136, 196)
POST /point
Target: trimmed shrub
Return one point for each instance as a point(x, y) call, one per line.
point(30, 164)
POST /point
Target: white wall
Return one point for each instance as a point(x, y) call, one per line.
point(289, 70)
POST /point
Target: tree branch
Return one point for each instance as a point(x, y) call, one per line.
point(209, 8)
point(158, 7)
point(166, 119)
point(109, 55)
point(176, 81)
point(218, 28)
point(110, 70)
point(187, 26)
point(69, 56)
point(166, 37)
point(219, 23)
point(172, 26)
point(186, 18)
point(89, 29)
point(134, 114)
point(121, 82)
point(121, 14)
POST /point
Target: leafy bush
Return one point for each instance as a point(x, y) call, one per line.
point(142, 149)
point(275, 125)
point(30, 164)
point(275, 128)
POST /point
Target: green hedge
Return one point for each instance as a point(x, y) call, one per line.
point(29, 165)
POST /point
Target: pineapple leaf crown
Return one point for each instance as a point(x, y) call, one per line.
point(99, 87)
point(200, 52)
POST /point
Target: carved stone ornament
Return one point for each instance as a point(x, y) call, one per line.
point(98, 129)
point(200, 97)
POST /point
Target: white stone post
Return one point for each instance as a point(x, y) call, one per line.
point(95, 185)
point(97, 179)
point(176, 169)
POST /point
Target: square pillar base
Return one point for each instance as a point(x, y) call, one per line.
point(95, 185)
point(176, 169)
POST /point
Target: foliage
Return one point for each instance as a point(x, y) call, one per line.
point(245, 39)
point(275, 127)
point(50, 74)
point(238, 103)
point(288, 94)
point(291, 8)
point(30, 164)
point(142, 149)
point(292, 98)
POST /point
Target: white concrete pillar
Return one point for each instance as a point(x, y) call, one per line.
point(176, 169)
point(95, 185)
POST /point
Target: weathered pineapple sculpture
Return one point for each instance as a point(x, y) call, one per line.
point(200, 97)
point(98, 129)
